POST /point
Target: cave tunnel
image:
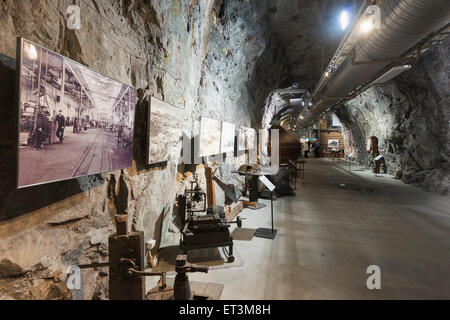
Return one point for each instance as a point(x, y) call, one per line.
point(275, 150)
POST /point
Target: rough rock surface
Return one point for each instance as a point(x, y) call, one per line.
point(410, 115)
point(202, 55)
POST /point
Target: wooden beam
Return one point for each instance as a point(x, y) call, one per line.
point(210, 187)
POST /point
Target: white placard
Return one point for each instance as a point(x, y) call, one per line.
point(379, 157)
point(267, 183)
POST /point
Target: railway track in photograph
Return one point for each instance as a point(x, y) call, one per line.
point(96, 158)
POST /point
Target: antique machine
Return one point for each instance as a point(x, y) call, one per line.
point(201, 231)
point(182, 288)
point(127, 269)
point(127, 264)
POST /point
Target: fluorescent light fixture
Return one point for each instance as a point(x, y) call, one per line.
point(344, 19)
point(291, 91)
point(391, 74)
point(296, 102)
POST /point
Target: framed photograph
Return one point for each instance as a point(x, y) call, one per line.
point(333, 143)
point(210, 137)
point(73, 121)
point(228, 135)
point(247, 139)
point(165, 131)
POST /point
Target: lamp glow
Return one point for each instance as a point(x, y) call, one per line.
point(367, 26)
point(344, 19)
point(32, 52)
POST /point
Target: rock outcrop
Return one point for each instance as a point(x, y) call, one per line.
point(410, 116)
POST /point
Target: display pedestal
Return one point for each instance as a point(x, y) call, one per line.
point(254, 206)
point(264, 232)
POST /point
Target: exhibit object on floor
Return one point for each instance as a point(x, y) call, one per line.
point(210, 230)
point(73, 121)
point(210, 137)
point(164, 132)
point(126, 264)
point(182, 287)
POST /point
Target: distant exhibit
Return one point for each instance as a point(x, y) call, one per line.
point(210, 137)
point(333, 143)
point(73, 121)
point(228, 135)
point(247, 139)
point(165, 131)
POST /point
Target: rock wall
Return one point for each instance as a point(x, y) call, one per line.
point(410, 116)
point(209, 57)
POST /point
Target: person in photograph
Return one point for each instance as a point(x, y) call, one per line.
point(61, 121)
point(40, 130)
point(75, 125)
point(119, 135)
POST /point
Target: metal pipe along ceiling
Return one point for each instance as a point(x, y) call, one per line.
point(404, 24)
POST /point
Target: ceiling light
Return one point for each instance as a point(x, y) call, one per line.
point(344, 19)
point(302, 117)
point(367, 26)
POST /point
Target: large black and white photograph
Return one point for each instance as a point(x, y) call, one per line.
point(73, 121)
point(165, 131)
point(228, 135)
point(247, 139)
point(210, 137)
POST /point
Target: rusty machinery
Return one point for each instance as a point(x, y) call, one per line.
point(182, 288)
point(127, 264)
point(210, 230)
point(127, 268)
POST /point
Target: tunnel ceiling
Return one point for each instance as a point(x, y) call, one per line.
point(308, 32)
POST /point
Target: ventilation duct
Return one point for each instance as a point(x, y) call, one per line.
point(405, 24)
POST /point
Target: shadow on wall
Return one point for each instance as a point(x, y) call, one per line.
point(15, 203)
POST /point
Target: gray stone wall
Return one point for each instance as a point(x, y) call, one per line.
point(201, 55)
point(410, 115)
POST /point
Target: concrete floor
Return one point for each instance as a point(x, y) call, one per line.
point(329, 235)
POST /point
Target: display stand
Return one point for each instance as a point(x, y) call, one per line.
point(350, 162)
point(264, 232)
point(376, 164)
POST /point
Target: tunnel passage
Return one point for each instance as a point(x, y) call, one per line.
point(257, 64)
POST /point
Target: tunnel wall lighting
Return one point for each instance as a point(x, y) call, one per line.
point(391, 74)
point(296, 102)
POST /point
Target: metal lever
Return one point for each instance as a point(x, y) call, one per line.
point(182, 288)
point(184, 267)
point(238, 221)
point(132, 272)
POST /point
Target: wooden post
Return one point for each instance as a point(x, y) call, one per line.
point(210, 187)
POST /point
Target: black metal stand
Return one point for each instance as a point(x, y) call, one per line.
point(264, 232)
